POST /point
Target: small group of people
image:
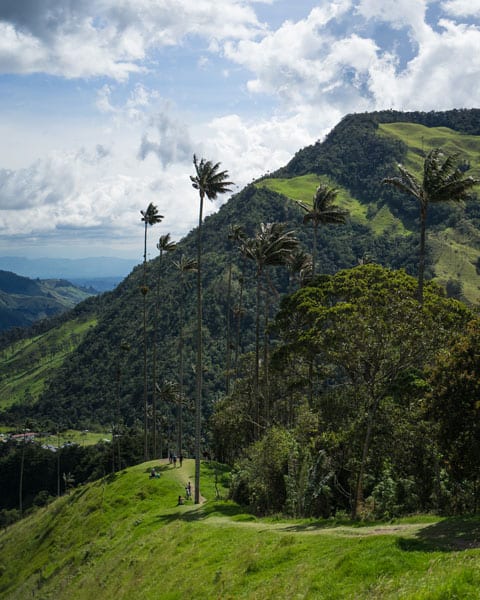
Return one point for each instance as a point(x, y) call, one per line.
point(172, 459)
point(188, 494)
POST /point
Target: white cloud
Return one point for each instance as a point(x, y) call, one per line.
point(110, 38)
point(92, 175)
point(462, 8)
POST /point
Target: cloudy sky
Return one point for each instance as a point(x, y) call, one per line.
point(104, 102)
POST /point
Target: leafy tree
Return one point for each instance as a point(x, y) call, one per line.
point(150, 216)
point(210, 182)
point(369, 333)
point(322, 212)
point(441, 182)
point(454, 408)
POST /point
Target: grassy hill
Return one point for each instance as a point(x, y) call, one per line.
point(125, 537)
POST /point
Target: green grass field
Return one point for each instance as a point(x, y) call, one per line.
point(125, 537)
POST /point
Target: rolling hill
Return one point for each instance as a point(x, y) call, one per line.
point(124, 536)
point(383, 226)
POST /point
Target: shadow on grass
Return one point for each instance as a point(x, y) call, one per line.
point(191, 515)
point(450, 535)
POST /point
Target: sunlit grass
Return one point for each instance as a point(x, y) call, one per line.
point(303, 189)
point(125, 537)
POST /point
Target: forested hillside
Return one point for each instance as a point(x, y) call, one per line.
point(299, 385)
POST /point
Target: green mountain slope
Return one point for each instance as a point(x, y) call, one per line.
point(28, 363)
point(125, 537)
point(453, 237)
point(24, 300)
point(383, 226)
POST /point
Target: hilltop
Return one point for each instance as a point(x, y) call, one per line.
point(124, 536)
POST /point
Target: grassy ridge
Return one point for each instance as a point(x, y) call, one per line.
point(27, 364)
point(420, 139)
point(454, 255)
point(124, 537)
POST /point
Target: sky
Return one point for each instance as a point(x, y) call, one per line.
point(103, 103)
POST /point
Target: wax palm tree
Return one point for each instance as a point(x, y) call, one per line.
point(272, 245)
point(235, 235)
point(184, 265)
point(210, 182)
point(299, 265)
point(441, 181)
point(322, 212)
point(164, 245)
point(150, 217)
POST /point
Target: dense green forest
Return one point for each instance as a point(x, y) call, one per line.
point(327, 391)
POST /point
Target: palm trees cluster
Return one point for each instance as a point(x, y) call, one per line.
point(272, 245)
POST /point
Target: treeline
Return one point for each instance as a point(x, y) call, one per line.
point(32, 475)
point(371, 407)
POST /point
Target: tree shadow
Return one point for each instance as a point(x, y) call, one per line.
point(450, 535)
point(188, 516)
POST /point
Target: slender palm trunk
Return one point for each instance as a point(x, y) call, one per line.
point(145, 401)
point(314, 249)
point(239, 326)
point(199, 378)
point(154, 359)
point(257, 359)
point(266, 349)
point(421, 260)
point(358, 499)
point(229, 343)
point(22, 467)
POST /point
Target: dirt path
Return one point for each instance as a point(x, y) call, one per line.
point(340, 530)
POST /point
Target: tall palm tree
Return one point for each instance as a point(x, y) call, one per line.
point(150, 217)
point(235, 234)
point(164, 245)
point(322, 212)
point(210, 182)
point(272, 245)
point(441, 181)
point(300, 267)
point(184, 265)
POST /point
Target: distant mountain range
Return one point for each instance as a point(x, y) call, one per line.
point(101, 273)
point(24, 301)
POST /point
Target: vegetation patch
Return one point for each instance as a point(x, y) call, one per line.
point(420, 139)
point(303, 188)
